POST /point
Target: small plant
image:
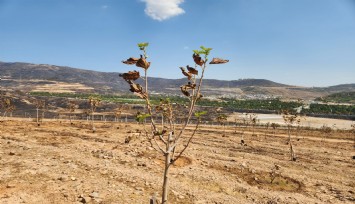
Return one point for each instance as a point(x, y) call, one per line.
point(253, 119)
point(71, 106)
point(274, 127)
point(267, 125)
point(118, 113)
point(275, 172)
point(222, 119)
point(94, 102)
point(326, 131)
point(290, 119)
point(40, 105)
point(170, 141)
point(8, 106)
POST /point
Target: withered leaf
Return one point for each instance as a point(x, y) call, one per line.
point(189, 76)
point(186, 87)
point(131, 61)
point(218, 61)
point(142, 62)
point(141, 95)
point(131, 75)
point(199, 96)
point(192, 70)
point(198, 60)
point(184, 90)
point(135, 87)
point(190, 85)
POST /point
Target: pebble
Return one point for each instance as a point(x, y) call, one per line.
point(181, 197)
point(139, 188)
point(63, 178)
point(94, 194)
point(84, 199)
point(10, 185)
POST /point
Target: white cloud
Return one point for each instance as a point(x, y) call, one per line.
point(104, 7)
point(163, 9)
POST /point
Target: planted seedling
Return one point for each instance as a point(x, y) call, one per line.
point(290, 119)
point(71, 106)
point(94, 102)
point(168, 139)
point(222, 119)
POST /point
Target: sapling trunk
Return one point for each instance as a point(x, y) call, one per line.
point(92, 122)
point(292, 151)
point(166, 172)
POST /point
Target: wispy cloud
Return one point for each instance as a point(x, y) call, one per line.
point(104, 7)
point(163, 9)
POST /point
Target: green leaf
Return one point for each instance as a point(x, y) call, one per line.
point(140, 117)
point(143, 45)
point(204, 50)
point(196, 52)
point(199, 114)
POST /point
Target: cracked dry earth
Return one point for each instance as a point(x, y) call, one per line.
point(67, 163)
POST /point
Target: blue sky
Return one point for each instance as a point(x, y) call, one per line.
point(299, 42)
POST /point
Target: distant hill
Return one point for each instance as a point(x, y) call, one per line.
point(43, 77)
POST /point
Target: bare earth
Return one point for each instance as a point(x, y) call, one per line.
point(306, 121)
point(62, 163)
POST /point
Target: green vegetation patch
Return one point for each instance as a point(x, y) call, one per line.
point(343, 97)
point(233, 104)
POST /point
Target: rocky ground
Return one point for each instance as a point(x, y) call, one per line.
point(59, 162)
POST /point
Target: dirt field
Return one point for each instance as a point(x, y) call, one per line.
point(62, 163)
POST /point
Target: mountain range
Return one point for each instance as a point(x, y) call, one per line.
point(29, 77)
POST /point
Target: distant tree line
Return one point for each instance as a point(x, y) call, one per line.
point(267, 106)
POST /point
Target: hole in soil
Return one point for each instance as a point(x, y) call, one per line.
point(263, 179)
point(183, 161)
point(280, 183)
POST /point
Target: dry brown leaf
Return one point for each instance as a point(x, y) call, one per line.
point(142, 62)
point(131, 61)
point(218, 61)
point(190, 85)
point(141, 95)
point(199, 96)
point(189, 76)
point(198, 60)
point(192, 70)
point(185, 88)
point(131, 75)
point(137, 89)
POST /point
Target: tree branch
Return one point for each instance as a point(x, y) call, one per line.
point(187, 144)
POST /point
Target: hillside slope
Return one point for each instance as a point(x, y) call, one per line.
point(42, 77)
